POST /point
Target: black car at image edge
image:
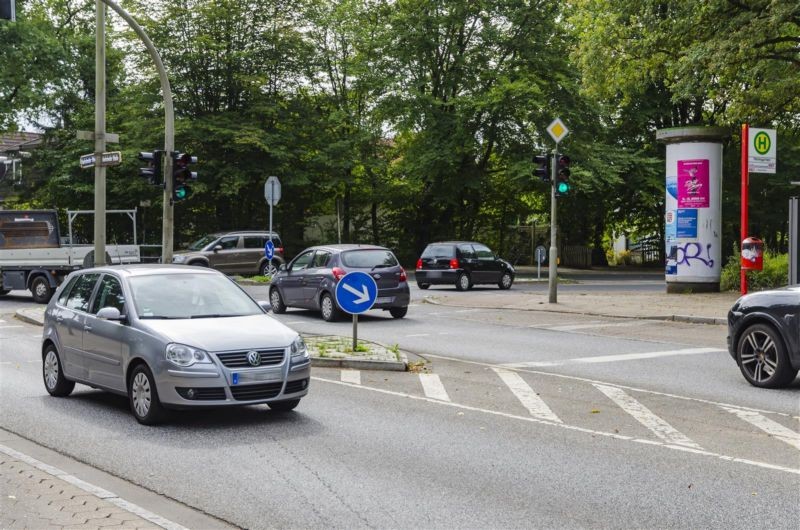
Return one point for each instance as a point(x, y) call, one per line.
point(463, 264)
point(764, 336)
point(309, 280)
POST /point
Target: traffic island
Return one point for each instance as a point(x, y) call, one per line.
point(330, 351)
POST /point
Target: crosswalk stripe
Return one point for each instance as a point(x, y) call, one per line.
point(645, 416)
point(615, 358)
point(771, 427)
point(535, 405)
point(351, 376)
point(433, 387)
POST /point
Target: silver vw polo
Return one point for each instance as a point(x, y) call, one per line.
point(170, 336)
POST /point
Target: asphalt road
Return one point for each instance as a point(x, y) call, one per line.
point(509, 425)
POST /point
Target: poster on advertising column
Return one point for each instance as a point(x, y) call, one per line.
point(693, 188)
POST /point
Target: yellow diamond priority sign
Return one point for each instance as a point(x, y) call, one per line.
point(557, 130)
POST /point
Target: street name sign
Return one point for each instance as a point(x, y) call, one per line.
point(557, 130)
point(269, 249)
point(272, 190)
point(113, 158)
point(356, 292)
point(761, 151)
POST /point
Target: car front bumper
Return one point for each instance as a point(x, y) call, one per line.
point(220, 386)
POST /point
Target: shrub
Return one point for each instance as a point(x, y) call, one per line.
point(774, 274)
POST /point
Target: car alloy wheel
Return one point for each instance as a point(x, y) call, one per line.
point(463, 282)
point(506, 280)
point(330, 312)
point(41, 290)
point(275, 298)
point(762, 357)
point(266, 270)
point(54, 381)
point(143, 396)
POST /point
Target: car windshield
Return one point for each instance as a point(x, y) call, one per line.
point(159, 296)
point(439, 251)
point(368, 259)
point(202, 242)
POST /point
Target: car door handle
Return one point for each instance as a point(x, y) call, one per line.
point(59, 319)
point(87, 328)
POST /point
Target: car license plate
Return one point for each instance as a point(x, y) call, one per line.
point(256, 376)
point(384, 300)
point(434, 274)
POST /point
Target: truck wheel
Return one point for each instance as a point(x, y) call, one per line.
point(42, 292)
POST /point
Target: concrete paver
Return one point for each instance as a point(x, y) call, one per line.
point(31, 498)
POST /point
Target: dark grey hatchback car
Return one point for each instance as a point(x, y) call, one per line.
point(309, 280)
point(463, 264)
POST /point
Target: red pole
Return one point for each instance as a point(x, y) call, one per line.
point(745, 180)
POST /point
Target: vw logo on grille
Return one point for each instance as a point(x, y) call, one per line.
point(254, 358)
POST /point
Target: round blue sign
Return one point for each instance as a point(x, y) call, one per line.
point(269, 249)
point(356, 292)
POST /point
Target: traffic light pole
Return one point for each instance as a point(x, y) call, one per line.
point(100, 135)
point(552, 271)
point(167, 240)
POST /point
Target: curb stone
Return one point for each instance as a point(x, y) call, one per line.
point(30, 316)
point(359, 364)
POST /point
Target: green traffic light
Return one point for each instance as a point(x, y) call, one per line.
point(180, 193)
point(563, 187)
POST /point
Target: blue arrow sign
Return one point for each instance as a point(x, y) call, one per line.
point(269, 249)
point(356, 292)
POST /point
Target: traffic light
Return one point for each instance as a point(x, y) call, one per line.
point(7, 11)
point(542, 169)
point(181, 175)
point(562, 175)
point(153, 170)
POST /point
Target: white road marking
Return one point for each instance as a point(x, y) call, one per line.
point(635, 389)
point(525, 394)
point(615, 436)
point(467, 310)
point(575, 327)
point(351, 376)
point(575, 323)
point(767, 425)
point(645, 416)
point(419, 335)
point(293, 322)
point(8, 327)
point(433, 387)
point(93, 490)
point(615, 358)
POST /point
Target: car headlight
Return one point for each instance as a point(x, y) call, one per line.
point(298, 350)
point(182, 355)
point(178, 259)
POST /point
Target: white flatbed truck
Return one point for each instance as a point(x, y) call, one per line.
point(32, 256)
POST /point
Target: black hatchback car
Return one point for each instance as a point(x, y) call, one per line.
point(463, 264)
point(309, 280)
point(764, 336)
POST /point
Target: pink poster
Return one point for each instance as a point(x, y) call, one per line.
point(693, 189)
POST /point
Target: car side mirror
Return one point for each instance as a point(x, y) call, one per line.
point(282, 267)
point(266, 306)
point(110, 313)
point(217, 248)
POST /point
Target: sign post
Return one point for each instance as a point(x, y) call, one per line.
point(557, 131)
point(356, 293)
point(272, 193)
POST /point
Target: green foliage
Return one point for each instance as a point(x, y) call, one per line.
point(774, 274)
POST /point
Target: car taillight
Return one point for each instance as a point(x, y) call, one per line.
point(338, 273)
point(454, 263)
point(403, 277)
point(419, 264)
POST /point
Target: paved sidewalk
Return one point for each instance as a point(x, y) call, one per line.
point(31, 497)
point(701, 308)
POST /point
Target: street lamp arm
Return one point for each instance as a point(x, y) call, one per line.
point(169, 130)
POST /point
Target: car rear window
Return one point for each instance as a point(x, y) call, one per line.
point(439, 251)
point(368, 259)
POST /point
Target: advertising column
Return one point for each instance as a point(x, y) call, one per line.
point(693, 208)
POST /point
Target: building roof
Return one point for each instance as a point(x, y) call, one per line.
point(19, 141)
